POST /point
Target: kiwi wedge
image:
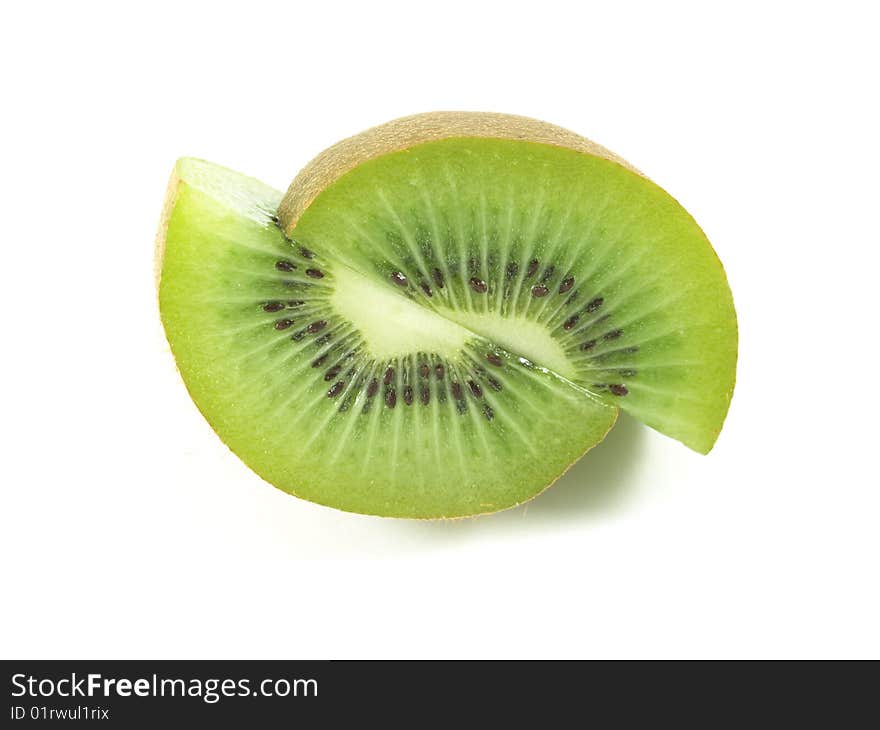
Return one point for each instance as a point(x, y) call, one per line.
point(442, 313)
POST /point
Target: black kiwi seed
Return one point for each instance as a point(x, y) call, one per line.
point(297, 336)
point(332, 372)
point(613, 335)
point(595, 304)
point(475, 389)
point(478, 285)
point(439, 371)
point(316, 326)
point(424, 395)
point(315, 273)
point(423, 370)
point(438, 277)
point(319, 361)
point(391, 398)
point(408, 395)
point(426, 289)
point(273, 306)
point(548, 272)
point(570, 322)
point(372, 388)
point(283, 324)
point(324, 339)
point(539, 291)
point(294, 303)
point(617, 389)
point(512, 268)
point(336, 389)
point(533, 267)
point(306, 253)
point(494, 358)
point(284, 266)
point(566, 284)
point(456, 390)
point(398, 278)
point(493, 384)
point(488, 412)
point(587, 346)
point(273, 218)
point(389, 376)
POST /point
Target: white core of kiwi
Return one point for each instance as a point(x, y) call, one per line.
point(370, 307)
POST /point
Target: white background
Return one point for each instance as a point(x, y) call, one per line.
point(128, 530)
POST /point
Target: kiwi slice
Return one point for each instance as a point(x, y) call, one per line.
point(441, 314)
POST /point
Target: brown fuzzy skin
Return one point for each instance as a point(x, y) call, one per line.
point(167, 207)
point(406, 132)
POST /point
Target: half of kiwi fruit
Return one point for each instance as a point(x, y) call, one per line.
point(442, 313)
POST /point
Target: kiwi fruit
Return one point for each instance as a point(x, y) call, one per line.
point(441, 314)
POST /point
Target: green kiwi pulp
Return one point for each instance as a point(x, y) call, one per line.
point(444, 328)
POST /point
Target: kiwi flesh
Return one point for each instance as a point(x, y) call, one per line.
point(441, 314)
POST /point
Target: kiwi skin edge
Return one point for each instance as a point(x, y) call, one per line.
point(167, 207)
point(400, 134)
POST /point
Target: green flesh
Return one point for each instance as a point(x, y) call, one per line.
point(646, 289)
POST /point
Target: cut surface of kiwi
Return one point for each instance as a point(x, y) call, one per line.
point(442, 314)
